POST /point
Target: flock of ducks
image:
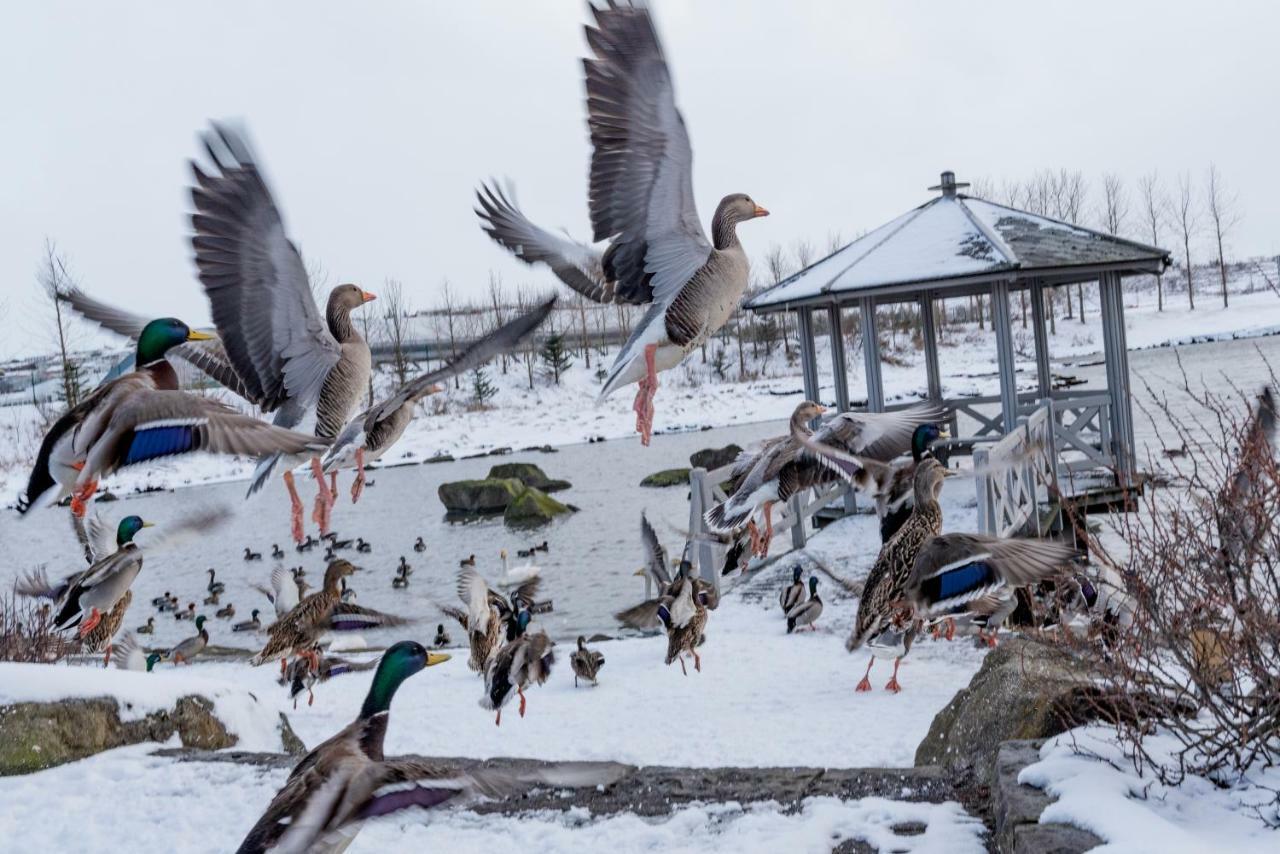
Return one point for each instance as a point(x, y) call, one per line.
point(273, 346)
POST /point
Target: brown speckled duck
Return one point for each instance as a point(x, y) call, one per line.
point(298, 630)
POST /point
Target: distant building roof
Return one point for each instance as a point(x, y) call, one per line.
point(957, 241)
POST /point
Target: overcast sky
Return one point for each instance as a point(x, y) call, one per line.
point(376, 120)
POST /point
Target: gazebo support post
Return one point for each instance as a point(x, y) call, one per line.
point(1111, 296)
point(838, 374)
point(1044, 379)
point(1004, 354)
point(933, 374)
point(808, 353)
point(871, 354)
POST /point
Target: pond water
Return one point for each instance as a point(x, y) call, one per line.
point(588, 570)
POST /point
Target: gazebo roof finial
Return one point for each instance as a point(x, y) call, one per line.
point(948, 184)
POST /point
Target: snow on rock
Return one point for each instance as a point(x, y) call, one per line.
point(1098, 790)
point(255, 724)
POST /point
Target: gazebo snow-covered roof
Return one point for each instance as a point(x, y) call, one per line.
point(954, 246)
point(959, 243)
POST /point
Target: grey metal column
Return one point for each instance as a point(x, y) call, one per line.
point(1004, 354)
point(838, 373)
point(1117, 364)
point(871, 355)
point(808, 356)
point(1044, 379)
point(933, 375)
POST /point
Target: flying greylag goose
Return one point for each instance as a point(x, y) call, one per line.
point(142, 416)
point(641, 203)
point(290, 360)
point(370, 434)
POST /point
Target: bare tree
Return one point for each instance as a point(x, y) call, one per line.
point(55, 281)
point(496, 297)
point(1072, 195)
point(775, 259)
point(982, 187)
point(1224, 214)
point(835, 241)
point(803, 252)
point(395, 324)
point(1154, 204)
point(1115, 204)
point(1184, 216)
point(449, 299)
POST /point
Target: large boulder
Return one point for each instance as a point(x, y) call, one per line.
point(1016, 809)
point(667, 477)
point(530, 475)
point(490, 495)
point(714, 458)
point(1024, 689)
point(39, 735)
point(533, 507)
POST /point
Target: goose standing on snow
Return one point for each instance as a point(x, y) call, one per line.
point(290, 360)
point(641, 203)
point(371, 433)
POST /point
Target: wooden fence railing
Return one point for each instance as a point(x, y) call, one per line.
point(1017, 478)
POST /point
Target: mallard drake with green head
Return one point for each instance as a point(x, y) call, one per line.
point(525, 661)
point(308, 620)
point(885, 620)
point(489, 616)
point(806, 613)
point(143, 416)
point(793, 593)
point(129, 655)
point(586, 663)
point(192, 646)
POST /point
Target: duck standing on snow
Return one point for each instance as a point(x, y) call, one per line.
point(641, 202)
point(806, 613)
point(192, 646)
point(793, 593)
point(525, 661)
point(250, 625)
point(586, 663)
point(371, 433)
point(291, 361)
point(297, 631)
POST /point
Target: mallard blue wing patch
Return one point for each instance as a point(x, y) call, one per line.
point(163, 439)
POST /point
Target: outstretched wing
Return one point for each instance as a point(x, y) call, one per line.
point(474, 593)
point(94, 536)
point(879, 435)
point(952, 569)
point(655, 554)
point(641, 186)
point(257, 285)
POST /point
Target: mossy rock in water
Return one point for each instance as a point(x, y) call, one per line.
point(530, 475)
point(490, 495)
point(533, 507)
point(714, 458)
point(667, 477)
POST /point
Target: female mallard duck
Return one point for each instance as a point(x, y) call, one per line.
point(129, 655)
point(371, 433)
point(844, 447)
point(885, 621)
point(148, 628)
point(641, 201)
point(487, 616)
point(793, 593)
point(957, 575)
point(307, 621)
point(226, 613)
point(686, 622)
point(192, 646)
point(294, 363)
point(806, 613)
point(250, 625)
point(305, 671)
point(142, 416)
point(586, 663)
point(525, 661)
point(661, 609)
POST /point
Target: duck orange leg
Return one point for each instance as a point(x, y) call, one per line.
point(755, 537)
point(648, 386)
point(520, 691)
point(768, 529)
point(865, 684)
point(357, 487)
point(295, 510)
point(90, 622)
point(82, 496)
point(106, 657)
point(892, 684)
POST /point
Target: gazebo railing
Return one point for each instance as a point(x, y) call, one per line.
point(1017, 477)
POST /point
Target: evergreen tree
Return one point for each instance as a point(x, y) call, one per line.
point(555, 358)
point(481, 388)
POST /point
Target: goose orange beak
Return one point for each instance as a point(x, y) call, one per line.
point(759, 211)
point(365, 296)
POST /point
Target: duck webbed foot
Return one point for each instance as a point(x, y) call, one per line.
point(295, 509)
point(82, 496)
point(892, 684)
point(865, 684)
point(648, 386)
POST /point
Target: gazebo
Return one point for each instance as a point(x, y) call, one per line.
point(956, 246)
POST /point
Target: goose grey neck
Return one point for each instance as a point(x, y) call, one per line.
point(724, 230)
point(338, 317)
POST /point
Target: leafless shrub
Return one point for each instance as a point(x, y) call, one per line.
point(26, 631)
point(1200, 658)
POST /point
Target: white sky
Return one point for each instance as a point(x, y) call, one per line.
point(375, 121)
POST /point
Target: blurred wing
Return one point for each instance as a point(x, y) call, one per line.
point(474, 593)
point(349, 617)
point(285, 588)
point(642, 616)
point(576, 265)
point(189, 526)
point(655, 555)
point(641, 186)
point(95, 537)
point(878, 435)
point(257, 285)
